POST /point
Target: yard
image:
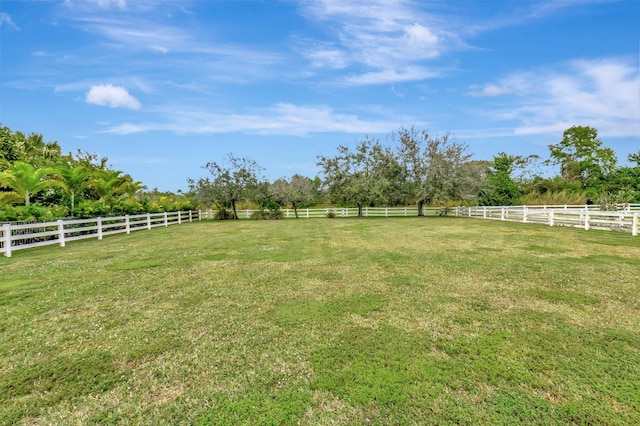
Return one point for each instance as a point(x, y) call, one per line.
point(325, 321)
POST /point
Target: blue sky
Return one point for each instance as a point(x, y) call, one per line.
point(162, 87)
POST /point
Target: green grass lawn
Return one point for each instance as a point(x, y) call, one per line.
point(344, 321)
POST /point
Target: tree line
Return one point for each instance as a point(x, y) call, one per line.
point(39, 182)
point(413, 167)
point(416, 167)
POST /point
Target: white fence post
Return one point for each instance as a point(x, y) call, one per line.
point(634, 225)
point(586, 220)
point(484, 212)
point(166, 219)
point(6, 239)
point(149, 221)
point(179, 218)
point(61, 232)
point(502, 211)
point(99, 226)
point(386, 212)
point(199, 215)
point(524, 214)
point(551, 217)
point(127, 224)
point(190, 217)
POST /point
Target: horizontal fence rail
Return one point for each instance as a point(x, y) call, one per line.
point(341, 212)
point(19, 236)
point(626, 219)
point(28, 235)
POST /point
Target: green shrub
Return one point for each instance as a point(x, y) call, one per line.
point(223, 214)
point(263, 214)
point(610, 201)
point(331, 215)
point(270, 211)
point(33, 212)
point(91, 208)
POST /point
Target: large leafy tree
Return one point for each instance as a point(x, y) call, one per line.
point(233, 181)
point(501, 188)
point(25, 180)
point(623, 184)
point(298, 191)
point(368, 175)
point(581, 156)
point(439, 169)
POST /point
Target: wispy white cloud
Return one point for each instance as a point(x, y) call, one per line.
point(279, 119)
point(600, 93)
point(327, 57)
point(112, 96)
point(392, 39)
point(5, 20)
point(179, 47)
point(397, 75)
point(516, 13)
point(117, 5)
point(120, 4)
point(138, 33)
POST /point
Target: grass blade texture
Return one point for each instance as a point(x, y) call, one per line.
point(344, 321)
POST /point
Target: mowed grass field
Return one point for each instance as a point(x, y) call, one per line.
point(343, 321)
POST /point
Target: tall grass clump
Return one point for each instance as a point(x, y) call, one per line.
point(555, 198)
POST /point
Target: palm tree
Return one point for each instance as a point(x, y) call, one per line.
point(9, 198)
point(51, 150)
point(73, 180)
point(25, 180)
point(131, 187)
point(107, 184)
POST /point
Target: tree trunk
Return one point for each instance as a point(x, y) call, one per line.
point(359, 209)
point(233, 205)
point(295, 209)
point(420, 206)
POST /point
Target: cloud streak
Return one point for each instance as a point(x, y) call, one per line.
point(279, 119)
point(600, 93)
point(5, 20)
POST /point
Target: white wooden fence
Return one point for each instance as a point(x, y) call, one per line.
point(626, 219)
point(341, 212)
point(23, 236)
